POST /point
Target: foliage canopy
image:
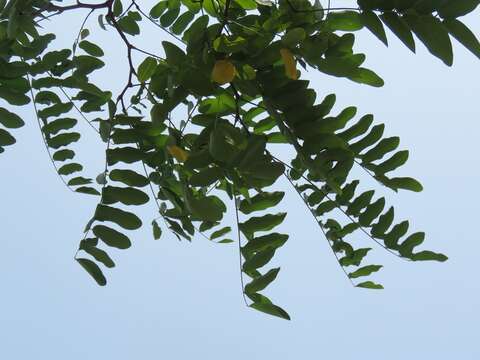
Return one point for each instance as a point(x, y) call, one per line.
point(234, 67)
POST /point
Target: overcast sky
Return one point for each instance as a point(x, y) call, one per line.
point(180, 300)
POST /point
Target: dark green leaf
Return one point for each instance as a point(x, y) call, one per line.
point(434, 36)
point(261, 282)
point(344, 21)
point(206, 176)
point(6, 138)
point(91, 48)
point(125, 219)
point(57, 125)
point(93, 270)
point(157, 231)
point(429, 256)
point(370, 285)
point(127, 196)
point(64, 154)
point(146, 69)
point(271, 309)
point(220, 233)
point(262, 223)
point(10, 120)
point(464, 35)
point(373, 23)
point(258, 260)
point(128, 177)
point(98, 254)
point(261, 201)
point(71, 168)
point(127, 155)
point(399, 28)
point(87, 190)
point(63, 140)
point(111, 237)
point(261, 243)
point(182, 22)
point(79, 181)
point(456, 8)
point(364, 271)
point(405, 183)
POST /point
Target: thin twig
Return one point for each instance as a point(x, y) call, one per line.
point(321, 227)
point(43, 135)
point(338, 206)
point(239, 245)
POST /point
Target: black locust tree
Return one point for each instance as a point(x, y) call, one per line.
point(193, 126)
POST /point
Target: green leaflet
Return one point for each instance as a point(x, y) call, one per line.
point(399, 28)
point(345, 21)
point(206, 176)
point(404, 183)
point(271, 309)
point(69, 169)
point(79, 180)
point(371, 212)
point(57, 125)
point(157, 231)
point(63, 139)
point(125, 219)
point(406, 247)
point(371, 138)
point(364, 271)
point(10, 120)
point(355, 257)
point(209, 208)
point(128, 177)
point(98, 254)
point(93, 270)
point(91, 48)
point(261, 223)
point(464, 35)
point(373, 23)
point(87, 190)
point(220, 233)
point(261, 243)
point(434, 36)
point(429, 256)
point(6, 138)
point(129, 24)
point(369, 285)
point(127, 155)
point(383, 223)
point(453, 9)
point(146, 69)
point(158, 9)
point(394, 162)
point(261, 282)
point(263, 304)
point(382, 148)
point(258, 260)
point(111, 237)
point(391, 238)
point(261, 201)
point(361, 202)
point(126, 195)
point(182, 22)
point(169, 17)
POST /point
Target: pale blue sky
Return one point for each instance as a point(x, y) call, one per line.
point(176, 300)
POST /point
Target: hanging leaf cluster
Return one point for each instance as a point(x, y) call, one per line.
point(197, 126)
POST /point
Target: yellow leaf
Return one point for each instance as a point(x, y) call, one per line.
point(223, 72)
point(290, 64)
point(178, 153)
